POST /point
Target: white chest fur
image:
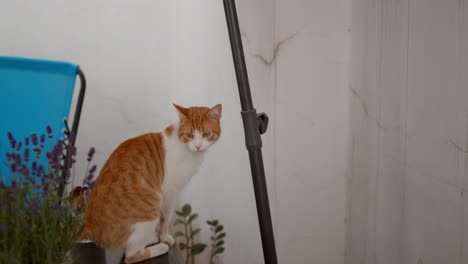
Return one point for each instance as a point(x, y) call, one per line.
point(180, 164)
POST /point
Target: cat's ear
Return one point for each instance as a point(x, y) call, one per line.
point(183, 112)
point(215, 112)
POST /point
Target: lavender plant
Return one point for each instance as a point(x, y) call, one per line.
point(36, 221)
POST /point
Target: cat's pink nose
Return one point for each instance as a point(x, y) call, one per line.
point(198, 146)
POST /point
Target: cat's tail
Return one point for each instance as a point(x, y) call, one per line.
point(147, 253)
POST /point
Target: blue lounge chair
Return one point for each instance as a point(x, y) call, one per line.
point(33, 94)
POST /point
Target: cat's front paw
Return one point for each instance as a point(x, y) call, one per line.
point(167, 239)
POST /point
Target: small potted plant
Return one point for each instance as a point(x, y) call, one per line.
point(187, 243)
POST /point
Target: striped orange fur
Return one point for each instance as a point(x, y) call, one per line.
point(134, 184)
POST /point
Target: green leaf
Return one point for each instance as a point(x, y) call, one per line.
point(195, 232)
point(182, 246)
point(192, 217)
point(186, 210)
point(178, 221)
point(220, 243)
point(222, 235)
point(178, 234)
point(179, 213)
point(215, 222)
point(209, 222)
point(198, 248)
point(218, 251)
point(219, 228)
point(212, 238)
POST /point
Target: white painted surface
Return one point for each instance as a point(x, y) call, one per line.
point(409, 120)
point(312, 129)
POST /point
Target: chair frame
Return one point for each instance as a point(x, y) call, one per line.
point(74, 130)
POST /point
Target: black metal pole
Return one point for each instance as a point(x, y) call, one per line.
point(253, 125)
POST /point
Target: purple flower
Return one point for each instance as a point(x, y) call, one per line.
point(89, 180)
point(42, 138)
point(26, 155)
point(58, 180)
point(16, 161)
point(14, 188)
point(40, 170)
point(18, 147)
point(29, 179)
point(54, 156)
point(34, 138)
point(2, 185)
point(71, 137)
point(45, 185)
point(49, 132)
point(26, 141)
point(25, 171)
point(91, 153)
point(34, 168)
point(34, 205)
point(38, 152)
point(11, 139)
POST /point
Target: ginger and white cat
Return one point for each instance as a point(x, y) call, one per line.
point(133, 201)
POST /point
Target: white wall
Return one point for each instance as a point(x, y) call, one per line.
point(407, 201)
point(312, 129)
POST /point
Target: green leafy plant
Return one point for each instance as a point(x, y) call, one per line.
point(217, 239)
point(186, 218)
point(187, 236)
point(37, 224)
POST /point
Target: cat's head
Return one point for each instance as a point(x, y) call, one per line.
point(199, 127)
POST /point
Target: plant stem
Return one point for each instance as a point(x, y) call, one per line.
point(191, 242)
point(187, 259)
point(212, 251)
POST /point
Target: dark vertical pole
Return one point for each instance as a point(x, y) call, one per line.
point(252, 127)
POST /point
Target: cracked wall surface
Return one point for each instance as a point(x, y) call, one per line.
point(409, 130)
point(310, 62)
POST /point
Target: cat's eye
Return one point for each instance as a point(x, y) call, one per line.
point(206, 134)
point(189, 135)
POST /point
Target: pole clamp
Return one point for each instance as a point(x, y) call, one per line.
point(254, 125)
